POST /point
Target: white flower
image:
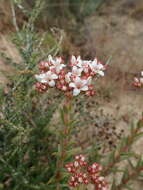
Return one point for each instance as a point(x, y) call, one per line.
point(76, 164)
point(85, 65)
point(79, 61)
point(47, 77)
point(97, 67)
point(50, 59)
point(57, 65)
point(76, 71)
point(80, 180)
point(73, 60)
point(78, 85)
point(76, 61)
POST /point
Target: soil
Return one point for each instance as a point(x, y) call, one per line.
point(117, 30)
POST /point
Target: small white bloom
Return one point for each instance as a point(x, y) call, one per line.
point(79, 61)
point(73, 60)
point(47, 77)
point(101, 178)
point(82, 158)
point(51, 83)
point(50, 59)
point(80, 180)
point(94, 166)
point(72, 178)
point(78, 85)
point(97, 67)
point(57, 65)
point(76, 164)
point(76, 61)
point(69, 169)
point(85, 65)
point(76, 71)
point(136, 79)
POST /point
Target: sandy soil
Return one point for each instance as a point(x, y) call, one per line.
point(116, 30)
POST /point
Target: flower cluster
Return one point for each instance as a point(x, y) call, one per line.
point(138, 82)
point(82, 173)
point(72, 78)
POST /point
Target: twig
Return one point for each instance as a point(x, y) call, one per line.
point(14, 16)
point(30, 120)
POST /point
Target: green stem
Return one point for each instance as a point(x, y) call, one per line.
point(64, 140)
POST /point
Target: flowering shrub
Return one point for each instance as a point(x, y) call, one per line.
point(73, 78)
point(82, 173)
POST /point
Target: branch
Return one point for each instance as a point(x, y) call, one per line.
point(14, 16)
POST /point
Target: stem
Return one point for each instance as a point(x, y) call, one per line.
point(14, 16)
point(64, 140)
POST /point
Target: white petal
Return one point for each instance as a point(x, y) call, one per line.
point(136, 79)
point(58, 60)
point(74, 68)
point(101, 73)
point(78, 58)
point(73, 59)
point(142, 73)
point(84, 82)
point(72, 85)
point(77, 80)
point(52, 83)
point(44, 81)
point(76, 92)
point(41, 78)
point(58, 68)
point(76, 71)
point(54, 76)
point(62, 65)
point(94, 62)
point(84, 88)
point(50, 58)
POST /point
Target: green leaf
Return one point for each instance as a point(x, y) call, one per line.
point(111, 157)
point(125, 175)
point(128, 187)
